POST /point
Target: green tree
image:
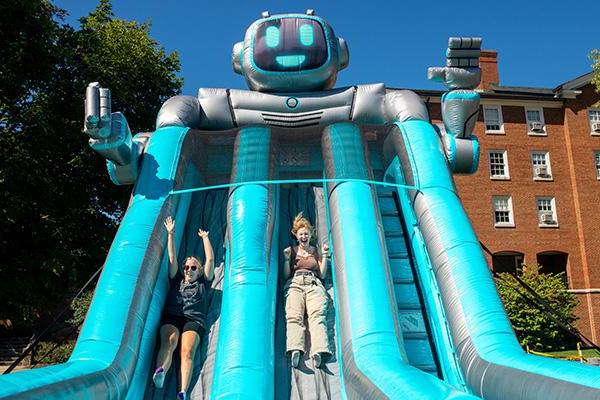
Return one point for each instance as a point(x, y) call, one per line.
point(59, 210)
point(534, 328)
point(595, 57)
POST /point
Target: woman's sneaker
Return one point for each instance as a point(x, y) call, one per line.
point(159, 377)
point(181, 396)
point(296, 354)
point(317, 360)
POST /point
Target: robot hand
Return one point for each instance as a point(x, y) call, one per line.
point(460, 105)
point(110, 135)
point(462, 64)
point(97, 123)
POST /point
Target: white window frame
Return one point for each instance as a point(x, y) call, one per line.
point(500, 121)
point(597, 163)
point(552, 210)
point(546, 155)
point(511, 218)
point(506, 175)
point(590, 121)
point(527, 121)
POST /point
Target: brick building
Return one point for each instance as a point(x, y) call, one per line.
point(536, 195)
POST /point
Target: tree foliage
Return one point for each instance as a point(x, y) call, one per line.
point(58, 348)
point(534, 328)
point(595, 57)
point(57, 205)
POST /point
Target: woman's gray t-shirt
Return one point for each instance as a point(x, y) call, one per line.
point(187, 299)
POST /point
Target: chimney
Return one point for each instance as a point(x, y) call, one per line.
point(488, 62)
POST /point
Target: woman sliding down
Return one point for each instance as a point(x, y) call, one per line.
point(184, 314)
point(305, 294)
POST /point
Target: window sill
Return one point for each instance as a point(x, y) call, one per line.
point(549, 179)
point(592, 133)
point(545, 226)
point(537, 133)
point(505, 225)
point(502, 178)
point(495, 133)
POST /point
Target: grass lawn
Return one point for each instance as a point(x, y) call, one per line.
point(566, 353)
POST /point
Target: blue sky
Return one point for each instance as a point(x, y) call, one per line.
point(540, 43)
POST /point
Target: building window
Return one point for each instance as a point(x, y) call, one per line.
point(535, 121)
point(540, 162)
point(554, 262)
point(503, 213)
point(546, 208)
point(507, 261)
point(492, 115)
point(594, 117)
point(597, 161)
point(498, 164)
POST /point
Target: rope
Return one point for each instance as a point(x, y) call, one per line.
point(290, 181)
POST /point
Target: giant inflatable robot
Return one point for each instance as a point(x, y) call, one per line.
point(414, 311)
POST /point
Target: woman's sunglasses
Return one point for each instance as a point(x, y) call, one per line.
point(192, 267)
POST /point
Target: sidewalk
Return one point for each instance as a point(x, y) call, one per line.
point(19, 368)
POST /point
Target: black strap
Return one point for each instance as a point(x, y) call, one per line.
point(36, 339)
point(538, 302)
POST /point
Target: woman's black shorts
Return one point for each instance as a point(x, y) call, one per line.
point(182, 323)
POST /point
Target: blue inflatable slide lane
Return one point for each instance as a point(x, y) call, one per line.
point(414, 313)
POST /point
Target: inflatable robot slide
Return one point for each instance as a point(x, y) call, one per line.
point(414, 313)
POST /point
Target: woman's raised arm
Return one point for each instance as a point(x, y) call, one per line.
point(173, 267)
point(209, 256)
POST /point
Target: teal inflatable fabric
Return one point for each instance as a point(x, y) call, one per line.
point(245, 352)
point(440, 330)
point(494, 365)
point(370, 338)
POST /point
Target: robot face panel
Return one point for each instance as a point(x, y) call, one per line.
point(290, 53)
point(290, 44)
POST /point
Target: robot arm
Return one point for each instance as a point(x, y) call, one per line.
point(110, 135)
point(460, 105)
point(184, 111)
point(405, 105)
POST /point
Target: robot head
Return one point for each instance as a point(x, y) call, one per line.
point(290, 53)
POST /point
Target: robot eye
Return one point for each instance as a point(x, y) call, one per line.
point(272, 36)
point(307, 36)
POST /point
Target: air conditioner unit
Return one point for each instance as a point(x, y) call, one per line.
point(596, 127)
point(546, 218)
point(541, 172)
point(536, 126)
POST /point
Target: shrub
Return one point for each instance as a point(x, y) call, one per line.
point(59, 355)
point(534, 327)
